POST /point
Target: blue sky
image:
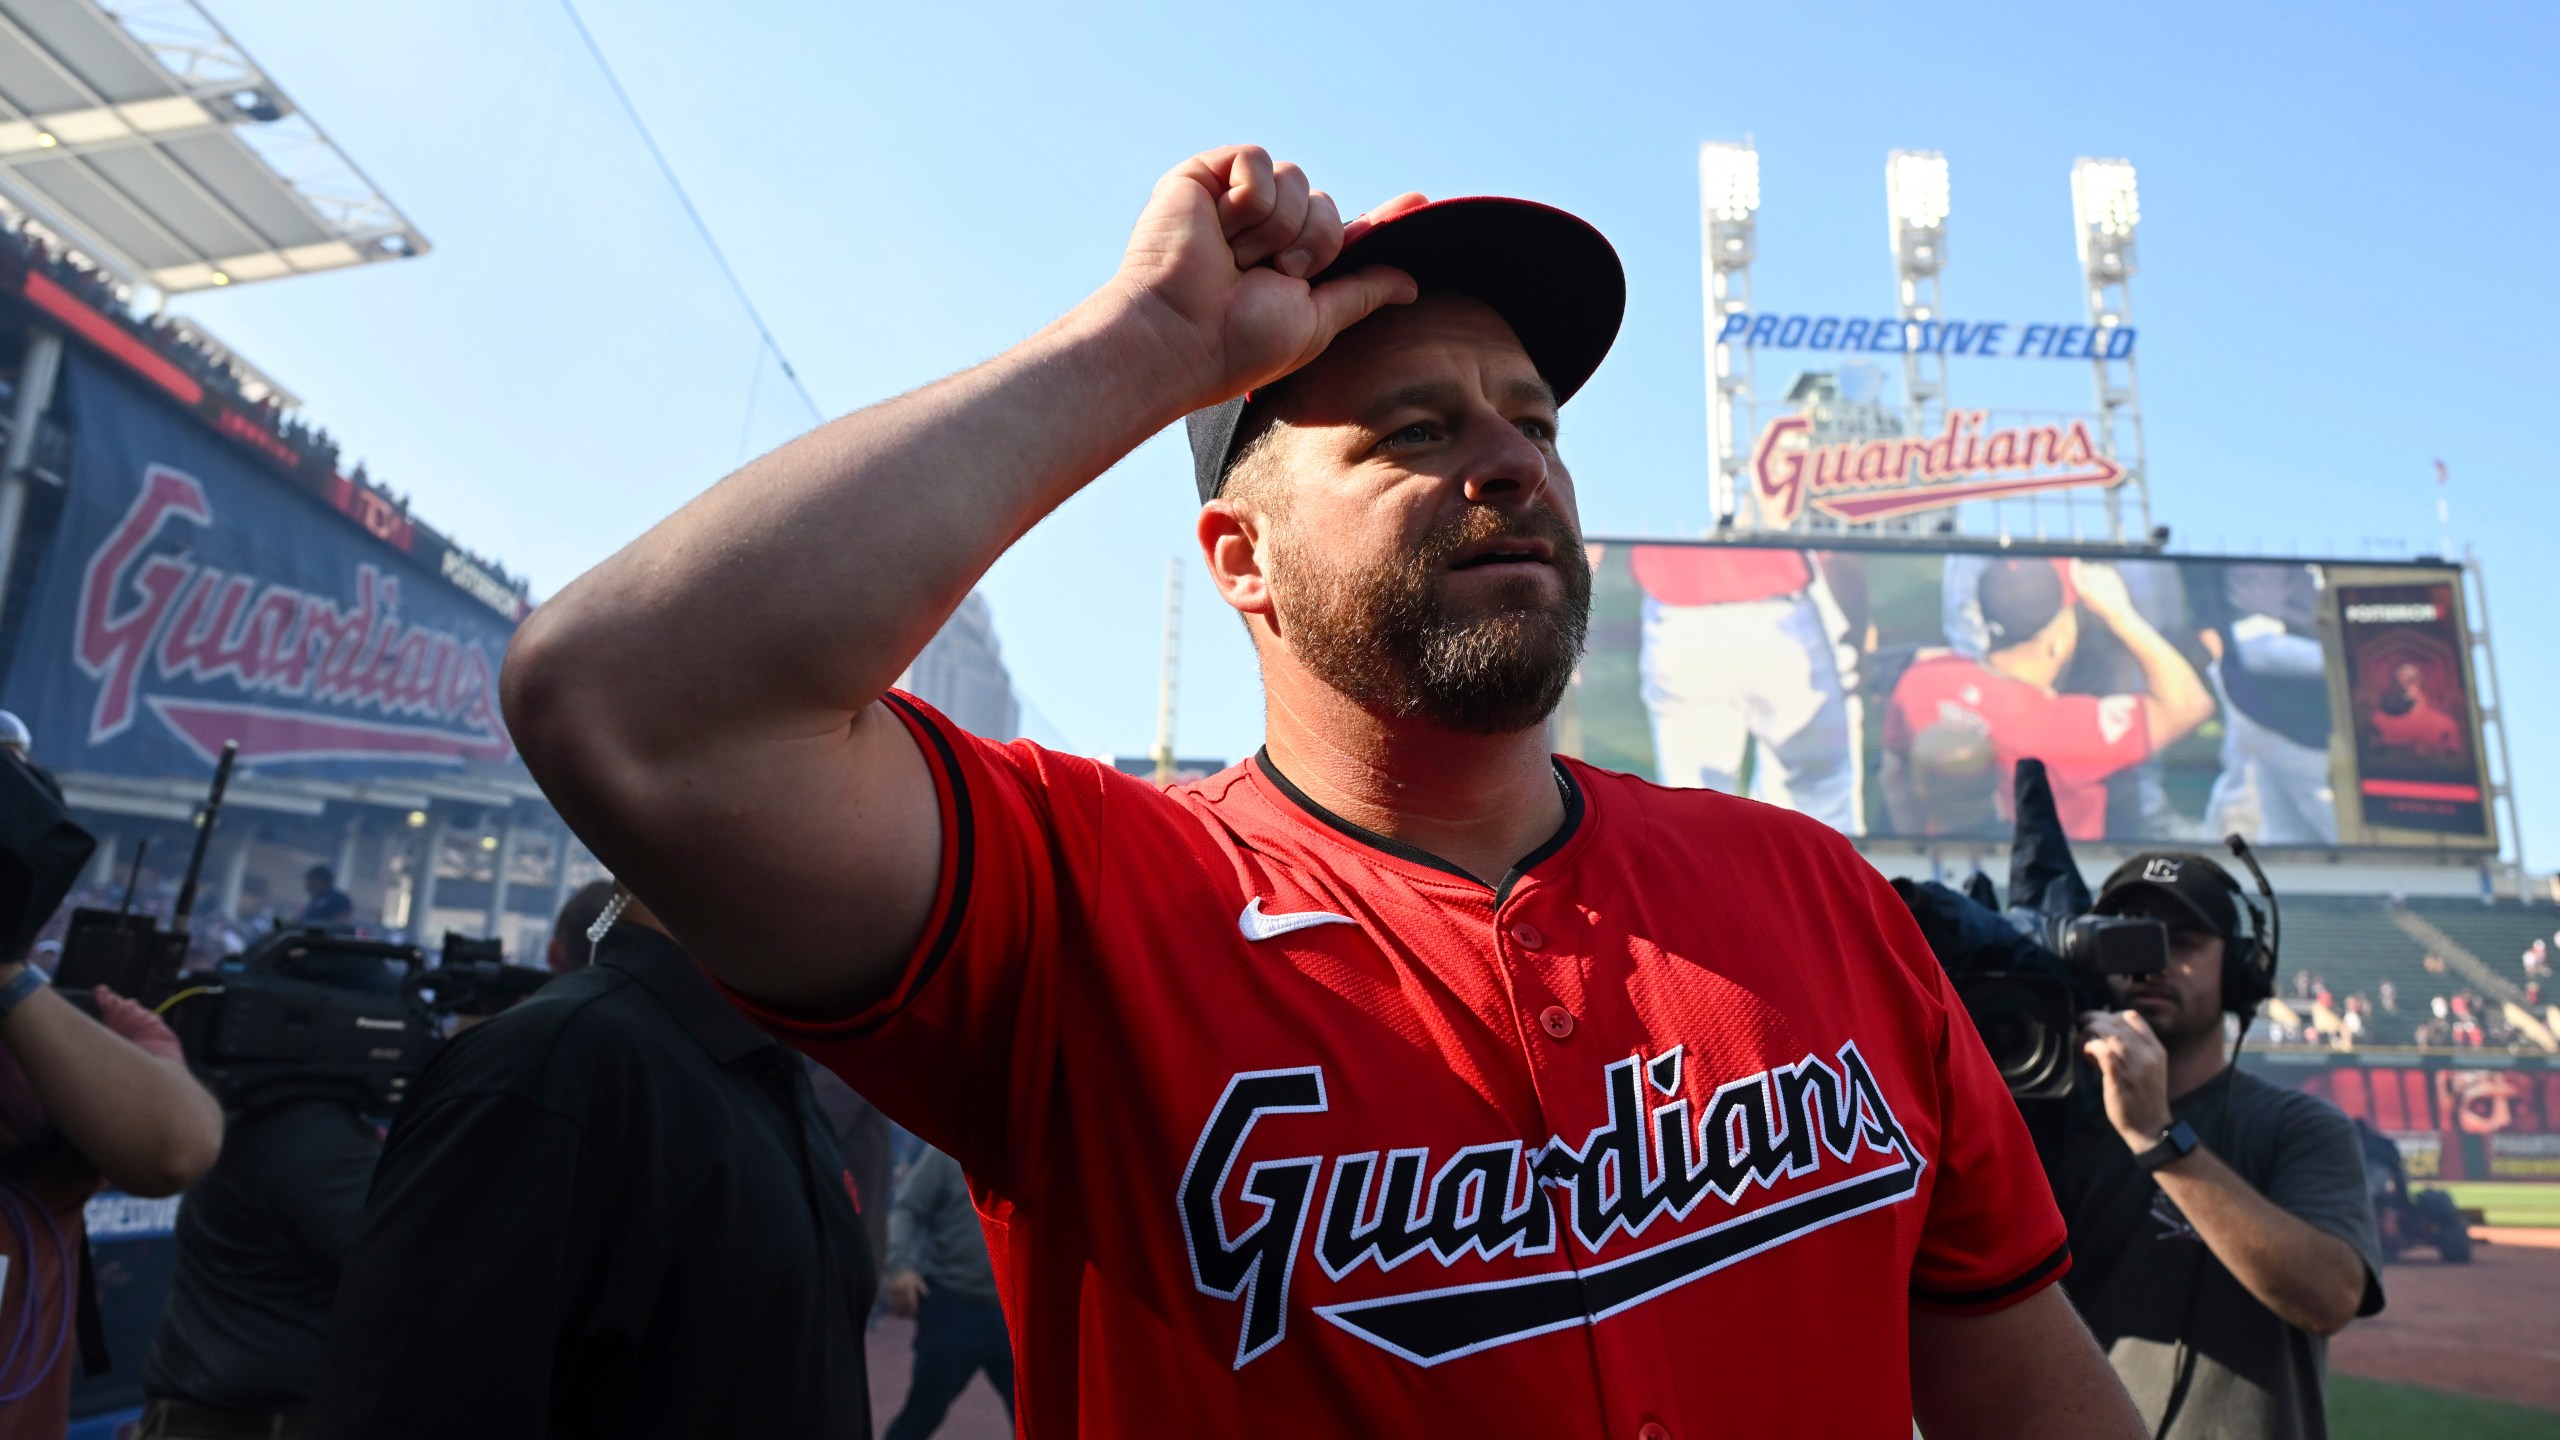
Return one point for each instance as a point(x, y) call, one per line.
point(2347, 213)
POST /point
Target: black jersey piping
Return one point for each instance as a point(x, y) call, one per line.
point(2033, 1275)
point(964, 860)
point(1415, 853)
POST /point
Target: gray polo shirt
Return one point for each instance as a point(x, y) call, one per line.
point(2159, 1301)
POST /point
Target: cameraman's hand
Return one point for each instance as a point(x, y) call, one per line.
point(2136, 1068)
point(905, 1292)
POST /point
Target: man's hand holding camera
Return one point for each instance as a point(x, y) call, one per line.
point(2135, 1066)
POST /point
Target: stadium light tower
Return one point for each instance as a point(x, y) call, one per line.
point(1915, 187)
point(2105, 209)
point(1728, 201)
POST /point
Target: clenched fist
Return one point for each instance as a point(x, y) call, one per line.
point(1217, 271)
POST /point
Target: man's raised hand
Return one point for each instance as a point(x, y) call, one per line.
point(1217, 269)
point(2135, 1067)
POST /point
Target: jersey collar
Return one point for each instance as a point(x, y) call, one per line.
point(1415, 854)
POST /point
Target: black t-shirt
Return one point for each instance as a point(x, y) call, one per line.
point(260, 1240)
point(2157, 1298)
point(614, 1210)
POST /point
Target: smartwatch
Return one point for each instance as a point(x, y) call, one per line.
point(26, 982)
point(2176, 1144)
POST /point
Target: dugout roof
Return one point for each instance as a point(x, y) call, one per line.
point(145, 137)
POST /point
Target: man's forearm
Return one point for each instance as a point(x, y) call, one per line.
point(2029, 1370)
point(143, 1121)
point(2310, 1278)
point(2177, 701)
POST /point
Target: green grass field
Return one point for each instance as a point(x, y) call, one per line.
point(2371, 1410)
point(2510, 1202)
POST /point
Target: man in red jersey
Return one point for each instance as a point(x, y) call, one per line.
point(1405, 1079)
point(2008, 699)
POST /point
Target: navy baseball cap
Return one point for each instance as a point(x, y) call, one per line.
point(1550, 275)
point(2018, 598)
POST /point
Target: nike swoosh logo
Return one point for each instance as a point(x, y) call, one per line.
point(1258, 926)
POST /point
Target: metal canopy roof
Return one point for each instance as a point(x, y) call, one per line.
point(147, 139)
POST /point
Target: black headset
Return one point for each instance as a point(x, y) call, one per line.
point(2249, 961)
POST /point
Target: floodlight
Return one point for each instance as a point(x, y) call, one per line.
point(2105, 208)
point(1729, 179)
point(1915, 183)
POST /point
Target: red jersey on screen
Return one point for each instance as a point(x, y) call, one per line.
point(1714, 575)
point(1279, 1127)
point(2082, 739)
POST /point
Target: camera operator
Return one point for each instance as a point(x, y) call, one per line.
point(614, 1210)
point(260, 1243)
point(81, 1101)
point(2220, 1226)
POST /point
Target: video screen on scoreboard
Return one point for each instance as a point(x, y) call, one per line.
point(1891, 693)
point(2416, 764)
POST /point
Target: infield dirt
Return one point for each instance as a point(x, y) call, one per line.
point(2491, 1327)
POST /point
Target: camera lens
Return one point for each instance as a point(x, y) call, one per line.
point(2028, 1026)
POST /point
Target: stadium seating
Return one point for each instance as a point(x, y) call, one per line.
point(2353, 945)
point(2498, 934)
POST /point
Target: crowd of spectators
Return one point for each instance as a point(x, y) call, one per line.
point(2455, 1018)
point(313, 444)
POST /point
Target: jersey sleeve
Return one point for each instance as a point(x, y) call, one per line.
point(1994, 1235)
point(960, 1043)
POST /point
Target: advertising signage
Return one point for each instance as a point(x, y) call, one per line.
point(1890, 335)
point(1882, 479)
point(187, 598)
point(2405, 685)
point(1889, 690)
point(2454, 1117)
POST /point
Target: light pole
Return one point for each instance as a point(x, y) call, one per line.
point(1728, 198)
point(1915, 189)
point(2105, 209)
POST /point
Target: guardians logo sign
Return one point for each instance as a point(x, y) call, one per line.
point(1880, 479)
point(291, 674)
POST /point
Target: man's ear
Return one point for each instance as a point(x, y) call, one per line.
point(1234, 538)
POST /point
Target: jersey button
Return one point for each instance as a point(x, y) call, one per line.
point(1556, 1021)
point(1529, 936)
point(1653, 1430)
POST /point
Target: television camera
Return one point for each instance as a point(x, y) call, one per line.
point(301, 1010)
point(2026, 971)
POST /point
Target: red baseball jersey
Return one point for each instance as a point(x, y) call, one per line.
point(2082, 739)
point(1280, 1127)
